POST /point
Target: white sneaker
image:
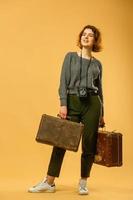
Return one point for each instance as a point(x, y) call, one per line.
point(82, 187)
point(43, 186)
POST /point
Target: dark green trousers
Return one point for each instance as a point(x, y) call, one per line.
point(88, 112)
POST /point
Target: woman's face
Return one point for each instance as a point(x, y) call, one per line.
point(87, 38)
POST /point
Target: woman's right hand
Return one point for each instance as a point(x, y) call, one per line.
point(63, 112)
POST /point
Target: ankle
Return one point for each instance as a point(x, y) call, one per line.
point(50, 180)
point(83, 178)
point(83, 182)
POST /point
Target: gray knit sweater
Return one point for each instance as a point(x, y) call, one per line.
point(70, 77)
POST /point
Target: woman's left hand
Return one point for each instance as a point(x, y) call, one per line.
point(101, 122)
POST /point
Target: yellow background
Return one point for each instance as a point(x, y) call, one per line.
point(34, 38)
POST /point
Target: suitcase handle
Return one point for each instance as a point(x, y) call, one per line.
point(67, 117)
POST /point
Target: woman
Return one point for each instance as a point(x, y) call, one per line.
point(81, 98)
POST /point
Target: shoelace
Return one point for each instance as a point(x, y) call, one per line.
point(83, 188)
point(44, 181)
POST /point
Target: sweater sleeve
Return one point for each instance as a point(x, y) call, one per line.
point(99, 85)
point(64, 80)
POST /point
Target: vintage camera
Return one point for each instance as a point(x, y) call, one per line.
point(82, 92)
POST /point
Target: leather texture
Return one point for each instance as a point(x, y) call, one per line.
point(109, 149)
point(59, 132)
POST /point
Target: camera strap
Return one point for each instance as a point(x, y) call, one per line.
point(81, 70)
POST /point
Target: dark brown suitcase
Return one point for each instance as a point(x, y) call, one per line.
point(59, 132)
point(109, 149)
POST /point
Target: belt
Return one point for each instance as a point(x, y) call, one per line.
point(92, 92)
point(89, 91)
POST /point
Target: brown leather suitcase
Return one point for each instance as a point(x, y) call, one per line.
point(109, 149)
point(59, 132)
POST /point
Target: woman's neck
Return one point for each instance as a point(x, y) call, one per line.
point(86, 52)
